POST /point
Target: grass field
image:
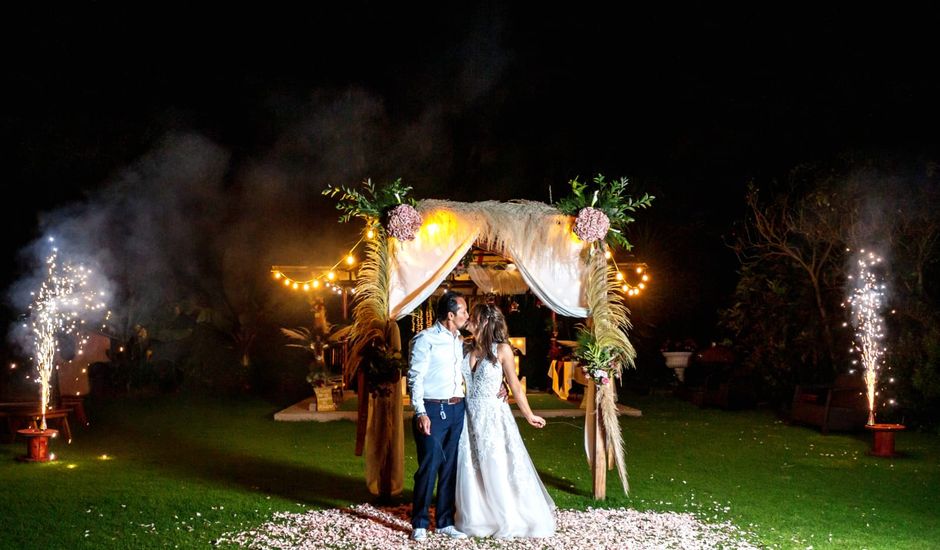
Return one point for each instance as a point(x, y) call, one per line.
point(181, 471)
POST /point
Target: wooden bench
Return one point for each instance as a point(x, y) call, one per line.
point(840, 406)
point(77, 404)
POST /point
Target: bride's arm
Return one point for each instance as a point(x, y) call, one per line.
point(504, 354)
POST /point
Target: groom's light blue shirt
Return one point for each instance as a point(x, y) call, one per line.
point(436, 354)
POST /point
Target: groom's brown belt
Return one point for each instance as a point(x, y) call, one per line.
point(451, 401)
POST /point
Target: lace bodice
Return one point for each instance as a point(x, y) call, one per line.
point(484, 382)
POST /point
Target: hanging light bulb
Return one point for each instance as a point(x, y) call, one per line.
point(278, 275)
point(370, 234)
point(331, 275)
point(350, 259)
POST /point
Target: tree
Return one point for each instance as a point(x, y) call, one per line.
point(795, 245)
point(805, 229)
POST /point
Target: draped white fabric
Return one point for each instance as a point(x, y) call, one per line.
point(505, 282)
point(419, 266)
point(536, 237)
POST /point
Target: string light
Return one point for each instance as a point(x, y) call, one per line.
point(314, 282)
point(628, 288)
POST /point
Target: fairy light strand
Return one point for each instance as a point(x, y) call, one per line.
point(640, 270)
point(324, 280)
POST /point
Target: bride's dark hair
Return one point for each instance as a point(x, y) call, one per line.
point(489, 328)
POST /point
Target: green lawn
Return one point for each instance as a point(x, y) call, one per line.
point(182, 471)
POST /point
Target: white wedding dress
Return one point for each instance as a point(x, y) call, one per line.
point(499, 493)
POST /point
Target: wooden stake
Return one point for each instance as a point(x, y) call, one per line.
point(590, 427)
point(597, 447)
point(363, 417)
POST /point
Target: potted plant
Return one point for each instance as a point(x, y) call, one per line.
point(322, 391)
point(678, 353)
point(316, 343)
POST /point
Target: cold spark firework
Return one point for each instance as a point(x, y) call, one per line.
point(59, 308)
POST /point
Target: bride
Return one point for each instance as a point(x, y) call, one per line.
point(499, 493)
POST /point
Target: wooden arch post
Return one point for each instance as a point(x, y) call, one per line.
point(596, 448)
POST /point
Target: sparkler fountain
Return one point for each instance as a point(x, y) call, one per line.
point(867, 301)
point(59, 307)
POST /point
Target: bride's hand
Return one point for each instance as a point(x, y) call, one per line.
point(536, 421)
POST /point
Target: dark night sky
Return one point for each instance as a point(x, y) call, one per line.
point(471, 103)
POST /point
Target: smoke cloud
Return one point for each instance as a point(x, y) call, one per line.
point(194, 223)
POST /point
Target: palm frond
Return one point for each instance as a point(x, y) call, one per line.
point(609, 326)
point(607, 407)
point(299, 333)
point(610, 323)
point(371, 310)
point(372, 286)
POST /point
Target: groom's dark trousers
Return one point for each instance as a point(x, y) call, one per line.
point(437, 461)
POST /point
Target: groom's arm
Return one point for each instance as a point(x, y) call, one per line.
point(418, 369)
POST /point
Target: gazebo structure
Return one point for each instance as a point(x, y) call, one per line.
point(563, 260)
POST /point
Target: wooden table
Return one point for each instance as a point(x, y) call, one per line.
point(19, 416)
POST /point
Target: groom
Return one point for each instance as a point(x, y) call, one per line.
point(437, 393)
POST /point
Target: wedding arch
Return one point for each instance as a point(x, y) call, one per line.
point(561, 252)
